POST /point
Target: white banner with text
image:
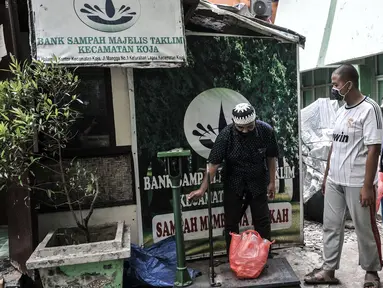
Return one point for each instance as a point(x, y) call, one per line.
point(109, 31)
point(196, 222)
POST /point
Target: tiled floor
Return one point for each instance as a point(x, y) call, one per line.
point(4, 249)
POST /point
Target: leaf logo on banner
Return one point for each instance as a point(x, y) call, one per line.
point(206, 116)
point(208, 135)
point(108, 15)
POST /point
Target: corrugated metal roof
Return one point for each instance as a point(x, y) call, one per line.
point(214, 18)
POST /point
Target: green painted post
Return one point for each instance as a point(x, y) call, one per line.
point(367, 78)
point(173, 161)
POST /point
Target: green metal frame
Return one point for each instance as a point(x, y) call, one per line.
point(175, 156)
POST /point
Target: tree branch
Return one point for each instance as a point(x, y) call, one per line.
point(47, 157)
point(61, 204)
point(48, 168)
point(80, 225)
point(91, 209)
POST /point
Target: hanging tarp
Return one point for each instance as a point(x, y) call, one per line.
point(316, 130)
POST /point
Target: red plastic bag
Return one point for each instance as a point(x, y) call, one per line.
point(248, 254)
point(380, 191)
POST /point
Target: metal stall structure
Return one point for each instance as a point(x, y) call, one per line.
point(231, 59)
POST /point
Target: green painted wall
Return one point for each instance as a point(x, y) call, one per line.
point(367, 77)
point(108, 274)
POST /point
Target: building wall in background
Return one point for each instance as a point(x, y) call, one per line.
point(317, 83)
point(115, 171)
point(367, 79)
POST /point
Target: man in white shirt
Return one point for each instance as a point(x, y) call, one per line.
point(349, 180)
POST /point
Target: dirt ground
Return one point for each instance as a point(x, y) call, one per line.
point(301, 259)
point(304, 259)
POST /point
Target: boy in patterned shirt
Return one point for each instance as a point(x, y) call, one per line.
point(349, 180)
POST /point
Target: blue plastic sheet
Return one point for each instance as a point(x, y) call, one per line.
point(155, 266)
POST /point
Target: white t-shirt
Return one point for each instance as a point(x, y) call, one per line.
point(355, 128)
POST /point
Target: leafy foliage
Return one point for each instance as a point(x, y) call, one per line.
point(265, 72)
point(36, 117)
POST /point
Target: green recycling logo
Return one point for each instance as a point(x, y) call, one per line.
point(108, 15)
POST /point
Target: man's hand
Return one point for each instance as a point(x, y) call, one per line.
point(367, 196)
point(195, 195)
point(271, 190)
point(324, 185)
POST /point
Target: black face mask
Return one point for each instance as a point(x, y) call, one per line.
point(336, 95)
point(242, 134)
point(246, 135)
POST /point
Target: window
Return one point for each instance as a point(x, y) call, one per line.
point(321, 76)
point(316, 84)
point(94, 131)
point(321, 92)
point(307, 79)
point(307, 98)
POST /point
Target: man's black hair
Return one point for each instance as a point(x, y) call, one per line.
point(347, 72)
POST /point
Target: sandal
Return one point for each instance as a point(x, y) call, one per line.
point(372, 282)
point(317, 276)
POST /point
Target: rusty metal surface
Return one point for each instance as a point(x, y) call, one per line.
point(209, 13)
point(189, 7)
point(278, 274)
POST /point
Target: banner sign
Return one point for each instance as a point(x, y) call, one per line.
point(188, 107)
point(108, 31)
point(195, 222)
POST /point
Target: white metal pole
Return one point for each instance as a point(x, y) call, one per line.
point(130, 79)
point(301, 175)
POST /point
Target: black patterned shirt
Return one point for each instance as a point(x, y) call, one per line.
point(245, 158)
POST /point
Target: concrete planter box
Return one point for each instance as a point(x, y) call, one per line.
point(96, 264)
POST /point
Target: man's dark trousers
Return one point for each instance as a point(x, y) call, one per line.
point(233, 205)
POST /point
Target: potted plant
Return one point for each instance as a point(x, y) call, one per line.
point(37, 113)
